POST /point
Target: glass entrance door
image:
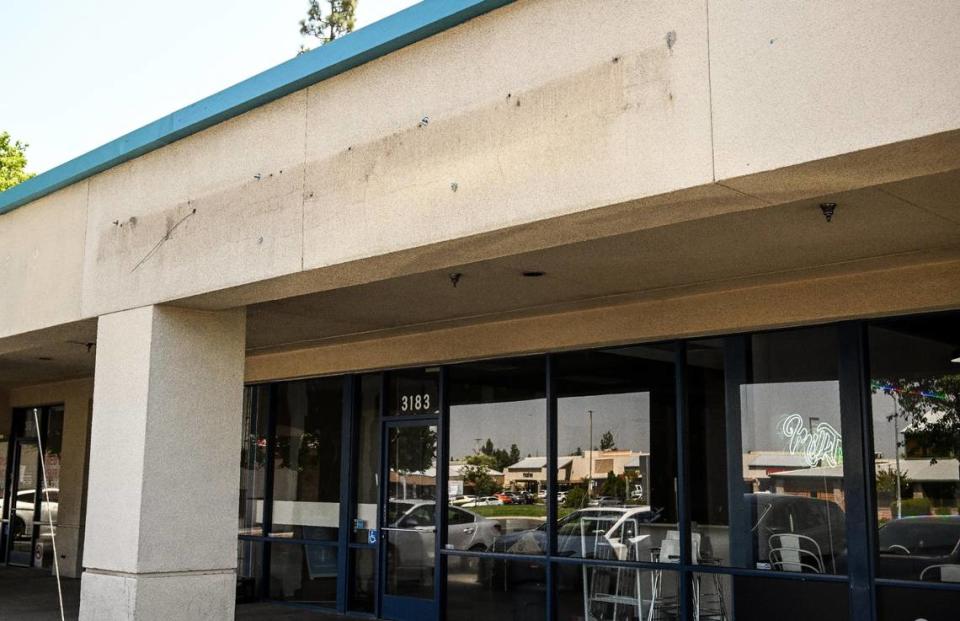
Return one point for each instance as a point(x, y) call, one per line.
point(21, 515)
point(408, 514)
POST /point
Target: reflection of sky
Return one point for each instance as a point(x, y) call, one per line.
point(765, 406)
point(626, 415)
point(513, 422)
point(524, 423)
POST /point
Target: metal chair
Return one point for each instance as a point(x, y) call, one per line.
point(947, 573)
point(795, 553)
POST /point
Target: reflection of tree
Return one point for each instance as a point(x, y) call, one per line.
point(499, 458)
point(931, 407)
point(478, 477)
point(607, 443)
point(413, 449)
point(887, 483)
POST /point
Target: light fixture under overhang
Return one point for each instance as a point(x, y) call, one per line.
point(956, 356)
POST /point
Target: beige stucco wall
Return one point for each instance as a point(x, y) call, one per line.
point(41, 261)
point(76, 397)
point(529, 115)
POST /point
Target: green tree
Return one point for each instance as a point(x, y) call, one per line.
point(13, 162)
point(487, 448)
point(614, 486)
point(339, 19)
point(478, 478)
point(576, 498)
point(887, 483)
point(514, 454)
point(931, 407)
point(607, 443)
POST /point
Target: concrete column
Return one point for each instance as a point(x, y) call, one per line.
point(161, 531)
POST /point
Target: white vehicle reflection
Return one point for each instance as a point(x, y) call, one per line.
point(23, 520)
point(483, 501)
point(412, 529)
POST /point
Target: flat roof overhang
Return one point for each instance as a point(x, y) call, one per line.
point(399, 30)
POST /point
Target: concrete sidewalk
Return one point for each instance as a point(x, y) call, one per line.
point(31, 595)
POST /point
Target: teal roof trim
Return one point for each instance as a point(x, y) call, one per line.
point(378, 39)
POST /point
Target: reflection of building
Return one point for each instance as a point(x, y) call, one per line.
point(936, 482)
point(456, 485)
point(531, 473)
point(758, 466)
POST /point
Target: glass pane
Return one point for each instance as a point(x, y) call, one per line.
point(368, 459)
point(899, 603)
point(306, 470)
point(249, 571)
point(304, 573)
point(763, 599)
point(707, 448)
point(253, 459)
point(363, 569)
point(414, 392)
point(27, 478)
point(789, 515)
point(617, 467)
point(915, 365)
point(614, 593)
point(410, 535)
point(491, 588)
point(498, 447)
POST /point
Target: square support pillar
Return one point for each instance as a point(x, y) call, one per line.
point(161, 530)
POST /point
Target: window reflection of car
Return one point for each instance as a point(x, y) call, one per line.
point(483, 501)
point(601, 532)
point(822, 521)
point(909, 546)
point(23, 520)
point(412, 536)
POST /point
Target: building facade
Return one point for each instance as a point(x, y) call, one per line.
point(698, 261)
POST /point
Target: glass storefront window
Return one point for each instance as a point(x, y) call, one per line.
point(306, 470)
point(498, 451)
point(494, 588)
point(253, 459)
point(780, 507)
point(915, 369)
point(616, 593)
point(617, 462)
point(368, 459)
point(303, 573)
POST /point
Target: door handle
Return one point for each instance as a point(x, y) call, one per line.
point(469, 530)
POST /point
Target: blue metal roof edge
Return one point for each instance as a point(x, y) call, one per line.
point(413, 24)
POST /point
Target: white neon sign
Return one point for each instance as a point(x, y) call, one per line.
point(821, 445)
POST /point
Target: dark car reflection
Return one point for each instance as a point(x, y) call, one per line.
point(921, 548)
point(797, 533)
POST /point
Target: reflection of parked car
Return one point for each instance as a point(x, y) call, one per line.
point(577, 535)
point(412, 535)
point(23, 521)
point(910, 545)
point(822, 521)
point(483, 501)
point(462, 499)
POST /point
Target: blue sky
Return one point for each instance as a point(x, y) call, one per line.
point(80, 73)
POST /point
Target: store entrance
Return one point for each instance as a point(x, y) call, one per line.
point(408, 544)
point(29, 507)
